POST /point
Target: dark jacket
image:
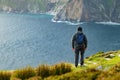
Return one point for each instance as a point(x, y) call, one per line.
point(74, 45)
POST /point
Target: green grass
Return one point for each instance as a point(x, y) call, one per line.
point(87, 74)
point(108, 61)
point(104, 59)
point(43, 71)
point(5, 75)
point(57, 69)
point(24, 73)
point(39, 73)
point(110, 68)
point(112, 73)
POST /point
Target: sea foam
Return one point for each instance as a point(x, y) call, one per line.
point(108, 23)
point(68, 22)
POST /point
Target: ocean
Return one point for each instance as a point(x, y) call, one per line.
point(34, 39)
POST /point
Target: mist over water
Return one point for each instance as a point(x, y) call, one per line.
point(27, 39)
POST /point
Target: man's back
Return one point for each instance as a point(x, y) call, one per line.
point(79, 44)
point(79, 39)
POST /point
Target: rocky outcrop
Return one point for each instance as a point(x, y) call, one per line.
point(59, 4)
point(72, 11)
point(90, 11)
point(101, 10)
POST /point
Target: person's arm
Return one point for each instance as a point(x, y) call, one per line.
point(73, 41)
point(86, 42)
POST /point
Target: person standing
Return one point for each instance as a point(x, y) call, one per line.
point(79, 45)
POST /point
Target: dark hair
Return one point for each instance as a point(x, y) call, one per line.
point(79, 28)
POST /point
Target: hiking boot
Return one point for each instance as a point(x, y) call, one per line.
point(82, 65)
point(76, 66)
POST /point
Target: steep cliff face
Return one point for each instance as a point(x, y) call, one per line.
point(59, 4)
point(116, 12)
point(72, 11)
point(101, 10)
point(90, 11)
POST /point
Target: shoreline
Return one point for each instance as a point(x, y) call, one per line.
point(78, 23)
point(59, 21)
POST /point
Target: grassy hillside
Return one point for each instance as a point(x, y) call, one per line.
point(32, 6)
point(100, 66)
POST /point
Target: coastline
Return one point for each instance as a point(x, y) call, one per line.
point(78, 23)
point(59, 21)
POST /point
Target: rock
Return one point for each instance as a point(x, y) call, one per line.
point(72, 11)
point(90, 11)
point(99, 68)
point(107, 59)
point(119, 55)
point(110, 56)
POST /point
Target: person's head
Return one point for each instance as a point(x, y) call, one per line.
point(79, 28)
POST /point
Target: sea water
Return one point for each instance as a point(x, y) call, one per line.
point(33, 39)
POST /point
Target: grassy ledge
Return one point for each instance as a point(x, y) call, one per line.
point(100, 66)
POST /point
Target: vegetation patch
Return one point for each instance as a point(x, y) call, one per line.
point(24, 73)
point(100, 66)
point(5, 75)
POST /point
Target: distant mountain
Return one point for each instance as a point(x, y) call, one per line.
point(31, 6)
point(70, 10)
point(90, 11)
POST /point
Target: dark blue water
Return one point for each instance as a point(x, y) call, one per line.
point(27, 39)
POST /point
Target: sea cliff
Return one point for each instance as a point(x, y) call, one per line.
point(70, 10)
point(90, 11)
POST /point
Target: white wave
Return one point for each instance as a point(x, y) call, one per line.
point(68, 22)
point(73, 23)
point(78, 23)
point(108, 23)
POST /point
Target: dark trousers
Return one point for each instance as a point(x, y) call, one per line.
point(79, 52)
